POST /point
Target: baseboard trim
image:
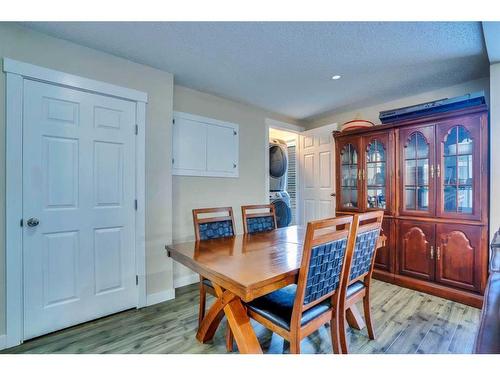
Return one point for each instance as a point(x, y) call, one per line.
point(186, 280)
point(159, 297)
point(3, 342)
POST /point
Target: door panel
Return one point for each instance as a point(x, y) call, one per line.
point(458, 166)
point(458, 255)
point(316, 171)
point(416, 249)
point(378, 165)
point(79, 182)
point(416, 170)
point(348, 165)
point(384, 259)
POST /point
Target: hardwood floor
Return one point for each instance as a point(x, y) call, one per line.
point(406, 321)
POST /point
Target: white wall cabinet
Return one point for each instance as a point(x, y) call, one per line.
point(204, 146)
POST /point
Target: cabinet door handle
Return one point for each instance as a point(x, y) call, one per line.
point(438, 172)
point(438, 253)
point(432, 173)
point(432, 252)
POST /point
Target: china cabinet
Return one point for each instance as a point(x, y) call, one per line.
point(430, 176)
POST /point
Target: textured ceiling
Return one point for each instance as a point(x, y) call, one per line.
point(286, 66)
point(491, 32)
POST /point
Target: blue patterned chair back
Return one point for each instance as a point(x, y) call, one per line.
point(368, 233)
point(216, 229)
point(258, 222)
point(326, 247)
point(208, 228)
point(325, 269)
point(364, 251)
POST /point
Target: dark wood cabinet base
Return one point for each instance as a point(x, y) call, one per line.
point(453, 294)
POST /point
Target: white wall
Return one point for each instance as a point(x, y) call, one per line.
point(371, 113)
point(23, 44)
point(494, 148)
point(197, 192)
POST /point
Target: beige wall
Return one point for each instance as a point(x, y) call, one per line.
point(249, 188)
point(494, 148)
point(371, 113)
point(23, 44)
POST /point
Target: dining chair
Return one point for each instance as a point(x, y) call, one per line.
point(258, 221)
point(297, 310)
point(210, 223)
point(360, 269)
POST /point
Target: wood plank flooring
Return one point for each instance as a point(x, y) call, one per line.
point(406, 321)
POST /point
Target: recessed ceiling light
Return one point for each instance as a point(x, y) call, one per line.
point(335, 77)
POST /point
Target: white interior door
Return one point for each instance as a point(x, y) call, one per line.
point(78, 207)
point(316, 175)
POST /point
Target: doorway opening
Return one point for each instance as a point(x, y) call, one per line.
point(283, 186)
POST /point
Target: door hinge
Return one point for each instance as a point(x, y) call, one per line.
point(234, 132)
point(135, 204)
point(136, 279)
point(136, 129)
point(173, 121)
point(173, 160)
point(21, 222)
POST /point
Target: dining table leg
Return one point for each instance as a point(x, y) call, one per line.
point(354, 318)
point(230, 305)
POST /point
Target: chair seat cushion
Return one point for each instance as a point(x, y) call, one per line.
point(277, 306)
point(354, 288)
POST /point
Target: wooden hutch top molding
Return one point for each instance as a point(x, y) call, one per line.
point(410, 122)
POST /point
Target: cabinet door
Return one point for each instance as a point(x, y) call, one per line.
point(416, 249)
point(458, 255)
point(385, 255)
point(417, 155)
point(348, 162)
point(378, 171)
point(458, 168)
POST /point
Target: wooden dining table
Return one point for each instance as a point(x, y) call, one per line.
point(241, 269)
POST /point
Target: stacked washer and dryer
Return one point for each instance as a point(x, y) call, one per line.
point(278, 176)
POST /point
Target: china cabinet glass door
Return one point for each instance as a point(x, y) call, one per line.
point(417, 171)
point(376, 172)
point(350, 175)
point(458, 170)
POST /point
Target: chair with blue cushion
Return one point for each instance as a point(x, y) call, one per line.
point(263, 220)
point(297, 310)
point(360, 267)
point(209, 224)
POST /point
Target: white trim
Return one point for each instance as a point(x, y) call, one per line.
point(69, 80)
point(189, 279)
point(140, 190)
point(14, 209)
point(272, 123)
point(159, 297)
point(205, 120)
point(3, 342)
point(16, 72)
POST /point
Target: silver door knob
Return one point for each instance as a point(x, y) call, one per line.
point(32, 222)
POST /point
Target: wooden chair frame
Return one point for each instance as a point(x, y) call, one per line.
point(204, 289)
point(374, 219)
point(331, 230)
point(245, 215)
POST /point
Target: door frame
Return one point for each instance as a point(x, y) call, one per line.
point(16, 72)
